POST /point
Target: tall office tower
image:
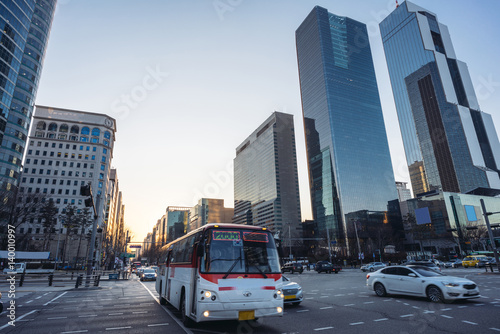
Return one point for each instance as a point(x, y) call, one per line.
point(266, 186)
point(350, 170)
point(209, 211)
point(173, 224)
point(450, 143)
point(67, 149)
point(24, 33)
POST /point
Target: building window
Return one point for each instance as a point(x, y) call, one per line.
point(63, 128)
point(41, 125)
point(75, 129)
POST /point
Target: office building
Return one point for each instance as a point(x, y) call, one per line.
point(266, 187)
point(176, 221)
point(450, 144)
point(350, 171)
point(209, 211)
point(67, 149)
point(24, 31)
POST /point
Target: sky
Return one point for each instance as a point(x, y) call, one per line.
point(189, 81)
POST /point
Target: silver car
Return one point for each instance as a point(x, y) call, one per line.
point(292, 292)
point(373, 266)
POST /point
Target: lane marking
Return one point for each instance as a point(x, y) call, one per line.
point(349, 305)
point(356, 323)
point(416, 307)
point(303, 311)
point(495, 329)
point(446, 309)
point(113, 328)
point(57, 318)
point(463, 306)
point(7, 324)
point(469, 322)
point(446, 316)
point(88, 315)
point(115, 314)
point(140, 312)
point(406, 315)
point(322, 329)
point(325, 308)
point(29, 301)
point(107, 299)
point(153, 325)
point(47, 303)
point(166, 310)
point(70, 332)
point(368, 302)
point(324, 297)
point(383, 319)
point(38, 297)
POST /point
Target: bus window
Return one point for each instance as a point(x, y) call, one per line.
point(240, 252)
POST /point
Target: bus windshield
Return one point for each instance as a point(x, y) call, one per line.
point(240, 251)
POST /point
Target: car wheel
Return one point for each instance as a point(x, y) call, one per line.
point(372, 270)
point(185, 319)
point(434, 294)
point(380, 290)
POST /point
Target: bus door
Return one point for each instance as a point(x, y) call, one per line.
point(167, 275)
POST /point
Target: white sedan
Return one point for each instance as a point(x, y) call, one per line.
point(420, 281)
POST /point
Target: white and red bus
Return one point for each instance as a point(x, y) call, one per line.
point(222, 272)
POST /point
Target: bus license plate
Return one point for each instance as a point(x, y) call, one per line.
point(246, 315)
point(290, 297)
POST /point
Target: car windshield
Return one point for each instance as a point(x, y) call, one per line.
point(149, 271)
point(240, 251)
point(427, 272)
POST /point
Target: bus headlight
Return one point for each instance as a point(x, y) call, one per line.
point(206, 314)
point(279, 293)
point(208, 294)
point(279, 309)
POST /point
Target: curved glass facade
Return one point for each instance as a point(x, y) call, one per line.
point(349, 162)
point(24, 32)
point(445, 139)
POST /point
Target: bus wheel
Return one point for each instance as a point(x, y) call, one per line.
point(185, 319)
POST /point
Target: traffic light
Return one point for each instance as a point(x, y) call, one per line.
point(85, 190)
point(88, 202)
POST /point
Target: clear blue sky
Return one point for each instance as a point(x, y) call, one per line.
point(188, 81)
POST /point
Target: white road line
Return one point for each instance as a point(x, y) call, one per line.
point(463, 306)
point(406, 304)
point(406, 315)
point(153, 325)
point(368, 302)
point(70, 332)
point(383, 319)
point(309, 298)
point(495, 329)
point(113, 328)
point(87, 300)
point(416, 307)
point(88, 315)
point(322, 329)
point(325, 308)
point(349, 305)
point(115, 313)
point(38, 297)
point(29, 301)
point(427, 311)
point(46, 293)
point(303, 311)
point(339, 295)
point(166, 310)
point(479, 304)
point(47, 303)
point(446, 309)
point(107, 299)
point(446, 316)
point(356, 323)
point(7, 324)
point(54, 318)
point(469, 322)
point(494, 302)
point(140, 312)
point(387, 300)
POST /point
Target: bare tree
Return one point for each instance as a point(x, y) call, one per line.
point(49, 216)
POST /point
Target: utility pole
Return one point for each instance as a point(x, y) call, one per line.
point(490, 233)
point(357, 238)
point(89, 202)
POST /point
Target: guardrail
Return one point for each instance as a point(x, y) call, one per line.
point(61, 279)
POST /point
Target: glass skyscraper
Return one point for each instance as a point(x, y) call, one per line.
point(24, 33)
point(450, 143)
point(266, 185)
point(350, 172)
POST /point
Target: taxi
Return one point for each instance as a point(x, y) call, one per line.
point(472, 260)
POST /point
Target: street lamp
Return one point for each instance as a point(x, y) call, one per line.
point(490, 233)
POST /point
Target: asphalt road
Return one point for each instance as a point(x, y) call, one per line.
point(333, 303)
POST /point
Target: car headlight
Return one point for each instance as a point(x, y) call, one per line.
point(450, 284)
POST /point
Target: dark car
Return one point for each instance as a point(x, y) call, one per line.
point(427, 264)
point(327, 267)
point(292, 268)
point(148, 275)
